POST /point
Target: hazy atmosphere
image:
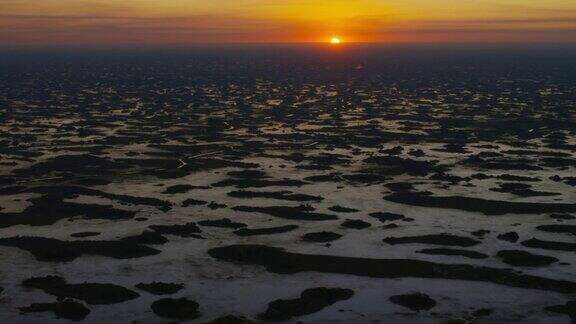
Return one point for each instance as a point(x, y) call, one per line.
point(194, 21)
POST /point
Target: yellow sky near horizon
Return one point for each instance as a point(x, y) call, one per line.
point(190, 21)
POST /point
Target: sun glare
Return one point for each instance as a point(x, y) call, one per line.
point(335, 40)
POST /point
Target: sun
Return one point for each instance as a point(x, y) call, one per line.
point(335, 40)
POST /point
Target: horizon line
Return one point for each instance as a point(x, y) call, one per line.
point(304, 43)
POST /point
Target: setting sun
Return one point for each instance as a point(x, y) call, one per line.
point(335, 40)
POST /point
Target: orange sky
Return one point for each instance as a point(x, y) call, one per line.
point(200, 21)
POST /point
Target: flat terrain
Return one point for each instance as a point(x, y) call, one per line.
point(361, 186)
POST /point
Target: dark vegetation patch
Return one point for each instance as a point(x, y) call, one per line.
point(562, 217)
point(181, 309)
point(571, 181)
point(487, 207)
point(522, 190)
point(73, 191)
point(510, 177)
point(457, 148)
point(510, 237)
point(445, 177)
point(214, 205)
point(416, 302)
point(277, 260)
point(91, 293)
point(400, 186)
point(525, 259)
point(193, 202)
point(265, 231)
point(537, 153)
point(177, 189)
point(386, 217)
point(340, 209)
point(569, 229)
point(89, 182)
point(282, 195)
point(321, 237)
point(66, 308)
point(557, 162)
point(84, 164)
point(331, 177)
point(224, 223)
point(311, 301)
point(393, 165)
point(84, 234)
point(231, 319)
point(355, 224)
point(365, 178)
point(160, 288)
point(248, 174)
point(147, 237)
point(434, 239)
point(454, 252)
point(53, 250)
point(258, 183)
point(49, 209)
point(294, 213)
point(549, 245)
